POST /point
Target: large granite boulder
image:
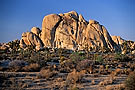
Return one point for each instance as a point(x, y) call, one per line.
point(31, 38)
point(66, 32)
point(36, 31)
point(72, 31)
point(49, 25)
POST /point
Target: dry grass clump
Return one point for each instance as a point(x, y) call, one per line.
point(34, 67)
point(74, 88)
point(75, 77)
point(116, 72)
point(106, 82)
point(82, 65)
point(47, 73)
point(90, 69)
point(67, 66)
point(19, 63)
point(116, 87)
point(14, 69)
point(93, 82)
point(16, 65)
point(130, 82)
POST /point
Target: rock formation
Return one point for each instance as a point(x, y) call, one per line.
point(3, 47)
point(31, 38)
point(36, 31)
point(126, 46)
point(118, 40)
point(70, 31)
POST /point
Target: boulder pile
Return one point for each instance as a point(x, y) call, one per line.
point(70, 31)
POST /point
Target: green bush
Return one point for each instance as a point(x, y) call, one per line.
point(122, 57)
point(76, 57)
point(99, 59)
point(35, 57)
point(118, 56)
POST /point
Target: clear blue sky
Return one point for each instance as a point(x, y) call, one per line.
point(18, 16)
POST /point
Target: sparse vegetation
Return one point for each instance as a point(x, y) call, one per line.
point(130, 82)
point(34, 67)
point(75, 57)
point(66, 69)
point(122, 57)
point(99, 59)
point(75, 77)
point(47, 73)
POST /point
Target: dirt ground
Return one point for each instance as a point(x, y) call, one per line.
point(31, 81)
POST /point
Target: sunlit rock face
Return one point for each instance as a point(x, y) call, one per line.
point(127, 46)
point(31, 38)
point(118, 40)
point(49, 25)
point(36, 31)
point(72, 31)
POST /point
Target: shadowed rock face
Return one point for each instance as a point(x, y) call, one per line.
point(71, 31)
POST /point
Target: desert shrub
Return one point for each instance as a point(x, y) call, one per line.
point(16, 65)
point(31, 68)
point(117, 56)
point(67, 66)
point(19, 63)
point(116, 87)
point(37, 57)
point(75, 77)
point(75, 88)
point(60, 51)
point(34, 58)
point(116, 72)
point(25, 53)
point(98, 58)
point(122, 57)
point(14, 45)
point(130, 82)
point(84, 64)
point(62, 58)
point(107, 81)
point(47, 73)
point(46, 55)
point(76, 57)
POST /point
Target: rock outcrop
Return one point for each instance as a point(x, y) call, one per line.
point(70, 31)
point(3, 47)
point(31, 38)
point(118, 40)
point(49, 26)
point(36, 31)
